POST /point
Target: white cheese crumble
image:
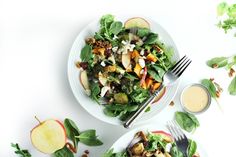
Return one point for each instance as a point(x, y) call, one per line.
point(114, 49)
point(104, 90)
point(142, 52)
point(152, 62)
point(141, 62)
point(141, 72)
point(103, 64)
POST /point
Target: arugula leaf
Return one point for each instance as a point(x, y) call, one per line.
point(115, 27)
point(192, 148)
point(86, 53)
point(154, 75)
point(20, 152)
point(186, 121)
point(71, 131)
point(142, 32)
point(232, 87)
point(64, 152)
point(89, 138)
point(217, 62)
point(210, 86)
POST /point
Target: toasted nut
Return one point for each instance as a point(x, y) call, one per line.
point(231, 72)
point(172, 103)
point(90, 40)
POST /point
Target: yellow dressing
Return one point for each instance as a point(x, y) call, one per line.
point(195, 98)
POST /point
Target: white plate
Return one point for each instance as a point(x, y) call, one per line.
point(91, 106)
point(124, 140)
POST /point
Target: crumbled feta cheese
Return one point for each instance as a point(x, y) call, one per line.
point(103, 64)
point(142, 52)
point(141, 72)
point(115, 37)
point(168, 147)
point(104, 90)
point(120, 50)
point(152, 62)
point(141, 62)
point(124, 42)
point(131, 47)
point(114, 49)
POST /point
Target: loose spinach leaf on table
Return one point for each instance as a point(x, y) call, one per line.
point(210, 86)
point(232, 87)
point(89, 138)
point(64, 152)
point(86, 53)
point(71, 131)
point(20, 152)
point(217, 62)
point(186, 121)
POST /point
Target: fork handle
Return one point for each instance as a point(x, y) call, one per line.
point(129, 122)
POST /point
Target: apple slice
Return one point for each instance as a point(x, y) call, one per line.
point(167, 137)
point(137, 22)
point(49, 136)
point(126, 61)
point(102, 79)
point(84, 79)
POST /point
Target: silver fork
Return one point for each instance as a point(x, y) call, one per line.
point(169, 78)
point(180, 138)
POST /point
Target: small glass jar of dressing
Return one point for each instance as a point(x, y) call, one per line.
point(195, 98)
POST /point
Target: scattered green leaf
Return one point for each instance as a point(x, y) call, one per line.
point(20, 152)
point(89, 138)
point(64, 152)
point(71, 131)
point(186, 121)
point(232, 87)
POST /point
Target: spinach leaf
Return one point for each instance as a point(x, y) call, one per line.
point(217, 62)
point(89, 138)
point(222, 8)
point(110, 153)
point(192, 148)
point(109, 113)
point(186, 121)
point(64, 152)
point(139, 94)
point(20, 152)
point(174, 151)
point(115, 27)
point(95, 90)
point(154, 75)
point(130, 77)
point(210, 86)
point(160, 71)
point(151, 39)
point(142, 32)
point(71, 131)
point(232, 87)
point(86, 53)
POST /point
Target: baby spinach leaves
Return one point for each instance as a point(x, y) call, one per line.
point(187, 121)
point(95, 90)
point(217, 62)
point(89, 138)
point(151, 39)
point(210, 86)
point(86, 53)
point(232, 87)
point(115, 27)
point(192, 148)
point(20, 152)
point(142, 32)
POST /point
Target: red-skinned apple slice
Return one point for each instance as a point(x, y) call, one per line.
point(126, 60)
point(166, 136)
point(84, 79)
point(49, 136)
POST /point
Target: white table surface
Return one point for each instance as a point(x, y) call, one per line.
point(35, 40)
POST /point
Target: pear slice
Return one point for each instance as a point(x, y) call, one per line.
point(137, 22)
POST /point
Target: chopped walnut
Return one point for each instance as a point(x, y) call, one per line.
point(90, 41)
point(231, 72)
point(102, 44)
point(172, 103)
point(215, 66)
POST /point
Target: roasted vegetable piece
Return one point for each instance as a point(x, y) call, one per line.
point(121, 98)
point(137, 149)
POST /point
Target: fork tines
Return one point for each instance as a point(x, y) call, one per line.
point(180, 66)
point(175, 131)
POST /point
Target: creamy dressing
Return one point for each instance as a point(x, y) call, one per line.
point(195, 98)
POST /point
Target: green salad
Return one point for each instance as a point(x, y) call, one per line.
point(122, 64)
point(153, 144)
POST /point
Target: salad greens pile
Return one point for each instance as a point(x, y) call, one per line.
point(123, 65)
point(227, 13)
point(155, 144)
